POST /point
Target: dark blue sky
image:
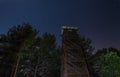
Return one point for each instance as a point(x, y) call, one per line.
point(96, 19)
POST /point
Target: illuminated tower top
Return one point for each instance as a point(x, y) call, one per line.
point(68, 31)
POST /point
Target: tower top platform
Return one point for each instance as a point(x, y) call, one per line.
point(68, 28)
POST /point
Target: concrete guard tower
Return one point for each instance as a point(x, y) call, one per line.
point(73, 59)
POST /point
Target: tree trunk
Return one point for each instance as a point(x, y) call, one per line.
point(12, 71)
point(16, 68)
point(27, 75)
point(36, 68)
point(35, 71)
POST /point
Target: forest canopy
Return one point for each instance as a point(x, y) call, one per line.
point(25, 53)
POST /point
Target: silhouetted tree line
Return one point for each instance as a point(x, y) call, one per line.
point(24, 53)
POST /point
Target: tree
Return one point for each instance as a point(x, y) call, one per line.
point(28, 42)
point(28, 54)
point(106, 62)
point(86, 46)
point(44, 58)
point(108, 65)
point(20, 38)
point(5, 63)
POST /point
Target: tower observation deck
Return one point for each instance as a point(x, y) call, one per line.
point(73, 59)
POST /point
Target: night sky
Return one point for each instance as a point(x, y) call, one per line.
point(98, 20)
